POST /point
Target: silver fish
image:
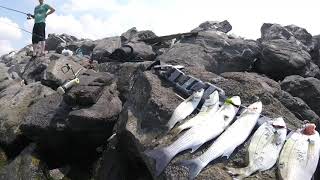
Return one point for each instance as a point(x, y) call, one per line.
point(299, 157)
point(235, 135)
point(196, 136)
point(185, 109)
point(264, 149)
point(208, 109)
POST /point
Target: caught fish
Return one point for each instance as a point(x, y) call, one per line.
point(208, 109)
point(264, 149)
point(196, 136)
point(185, 109)
point(235, 135)
point(300, 154)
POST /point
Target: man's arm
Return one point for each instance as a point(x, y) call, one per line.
point(51, 10)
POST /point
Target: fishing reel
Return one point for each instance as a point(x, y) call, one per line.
point(69, 84)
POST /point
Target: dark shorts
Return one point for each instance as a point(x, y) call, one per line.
point(38, 32)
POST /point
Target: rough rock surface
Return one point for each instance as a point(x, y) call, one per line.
point(297, 106)
point(102, 115)
point(90, 88)
point(14, 104)
point(223, 26)
point(213, 51)
point(53, 75)
point(280, 58)
point(105, 47)
point(25, 167)
point(156, 97)
point(307, 89)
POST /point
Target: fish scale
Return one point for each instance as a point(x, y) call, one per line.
point(299, 156)
point(235, 135)
point(196, 136)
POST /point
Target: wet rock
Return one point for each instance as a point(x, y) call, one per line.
point(279, 59)
point(54, 76)
point(102, 115)
point(223, 26)
point(90, 88)
point(14, 105)
point(308, 89)
point(297, 106)
point(25, 167)
point(105, 47)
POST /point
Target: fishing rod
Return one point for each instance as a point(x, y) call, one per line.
point(21, 29)
point(10, 9)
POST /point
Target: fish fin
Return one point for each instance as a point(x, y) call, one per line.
point(176, 131)
point(195, 148)
point(228, 153)
point(162, 158)
point(239, 173)
point(194, 166)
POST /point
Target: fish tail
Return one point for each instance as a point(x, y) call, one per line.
point(194, 166)
point(239, 173)
point(162, 158)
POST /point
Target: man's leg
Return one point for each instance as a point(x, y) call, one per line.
point(42, 47)
point(34, 49)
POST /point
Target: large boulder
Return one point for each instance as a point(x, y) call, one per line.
point(293, 34)
point(124, 73)
point(100, 116)
point(213, 51)
point(223, 26)
point(315, 52)
point(26, 166)
point(142, 130)
point(297, 106)
point(105, 47)
point(89, 89)
point(280, 58)
point(54, 41)
point(142, 51)
point(307, 89)
point(14, 105)
point(133, 35)
point(54, 75)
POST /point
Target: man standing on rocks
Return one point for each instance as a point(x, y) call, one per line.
point(38, 32)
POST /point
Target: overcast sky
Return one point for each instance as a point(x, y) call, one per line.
point(96, 19)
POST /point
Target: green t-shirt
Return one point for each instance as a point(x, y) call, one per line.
point(40, 13)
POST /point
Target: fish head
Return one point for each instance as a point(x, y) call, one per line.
point(310, 129)
point(235, 100)
point(279, 123)
point(198, 95)
point(213, 99)
point(255, 107)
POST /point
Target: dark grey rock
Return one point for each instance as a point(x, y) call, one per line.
point(102, 115)
point(124, 73)
point(54, 41)
point(142, 51)
point(297, 106)
point(105, 47)
point(24, 167)
point(223, 26)
point(90, 88)
point(308, 89)
point(213, 51)
point(279, 59)
point(53, 75)
point(14, 105)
